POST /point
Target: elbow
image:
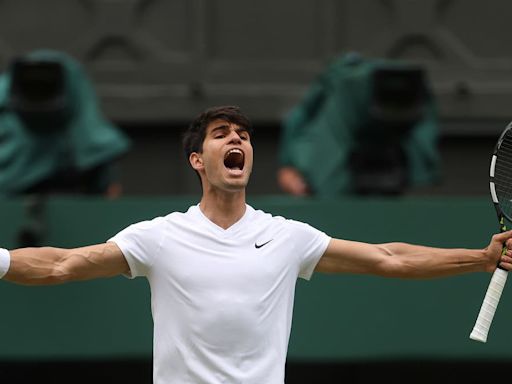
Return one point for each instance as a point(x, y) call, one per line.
point(393, 264)
point(390, 268)
point(62, 272)
point(55, 277)
point(401, 269)
point(59, 271)
point(390, 265)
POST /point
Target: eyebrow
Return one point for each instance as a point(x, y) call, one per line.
point(220, 128)
point(224, 127)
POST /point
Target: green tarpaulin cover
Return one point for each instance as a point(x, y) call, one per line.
point(29, 156)
point(318, 134)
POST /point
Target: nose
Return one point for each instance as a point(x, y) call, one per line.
point(234, 138)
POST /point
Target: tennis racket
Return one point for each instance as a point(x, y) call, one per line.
point(501, 192)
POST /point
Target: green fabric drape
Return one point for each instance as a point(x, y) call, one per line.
point(318, 134)
point(87, 139)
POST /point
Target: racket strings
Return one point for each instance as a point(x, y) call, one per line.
point(503, 173)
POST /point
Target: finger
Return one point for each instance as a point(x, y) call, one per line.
point(503, 237)
point(506, 259)
point(505, 265)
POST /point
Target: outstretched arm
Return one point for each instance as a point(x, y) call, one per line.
point(47, 265)
point(413, 261)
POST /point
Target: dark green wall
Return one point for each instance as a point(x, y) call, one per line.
point(336, 317)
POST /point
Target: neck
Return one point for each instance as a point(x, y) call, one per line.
point(223, 209)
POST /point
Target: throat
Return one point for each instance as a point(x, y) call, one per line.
point(221, 212)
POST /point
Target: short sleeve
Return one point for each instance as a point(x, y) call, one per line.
point(140, 244)
point(310, 244)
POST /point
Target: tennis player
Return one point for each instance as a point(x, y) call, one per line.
point(223, 274)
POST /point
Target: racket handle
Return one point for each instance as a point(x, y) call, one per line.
point(491, 300)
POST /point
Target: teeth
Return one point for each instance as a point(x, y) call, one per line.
point(234, 150)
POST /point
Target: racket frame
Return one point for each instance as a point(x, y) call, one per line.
point(499, 277)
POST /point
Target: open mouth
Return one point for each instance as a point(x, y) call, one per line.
point(234, 160)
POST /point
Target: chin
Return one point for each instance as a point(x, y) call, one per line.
point(237, 185)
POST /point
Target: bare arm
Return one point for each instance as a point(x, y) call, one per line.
point(413, 261)
point(47, 265)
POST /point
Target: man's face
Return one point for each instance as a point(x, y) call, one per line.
point(226, 160)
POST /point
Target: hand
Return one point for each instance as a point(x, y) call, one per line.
point(292, 182)
point(494, 251)
point(114, 190)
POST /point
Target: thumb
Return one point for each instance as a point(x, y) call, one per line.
point(503, 237)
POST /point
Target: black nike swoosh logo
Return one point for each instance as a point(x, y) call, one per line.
point(261, 245)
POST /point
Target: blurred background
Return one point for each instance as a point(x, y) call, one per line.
point(374, 120)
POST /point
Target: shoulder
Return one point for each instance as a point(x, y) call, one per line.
point(260, 216)
point(163, 221)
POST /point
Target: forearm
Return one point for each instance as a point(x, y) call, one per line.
point(47, 265)
point(406, 260)
point(36, 266)
point(414, 261)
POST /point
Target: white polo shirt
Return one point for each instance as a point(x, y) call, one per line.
point(221, 300)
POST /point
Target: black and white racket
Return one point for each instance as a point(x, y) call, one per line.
point(501, 193)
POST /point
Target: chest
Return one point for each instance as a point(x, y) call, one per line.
point(247, 262)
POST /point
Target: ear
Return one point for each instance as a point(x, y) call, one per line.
point(196, 161)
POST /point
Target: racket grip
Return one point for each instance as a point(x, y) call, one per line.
point(491, 300)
